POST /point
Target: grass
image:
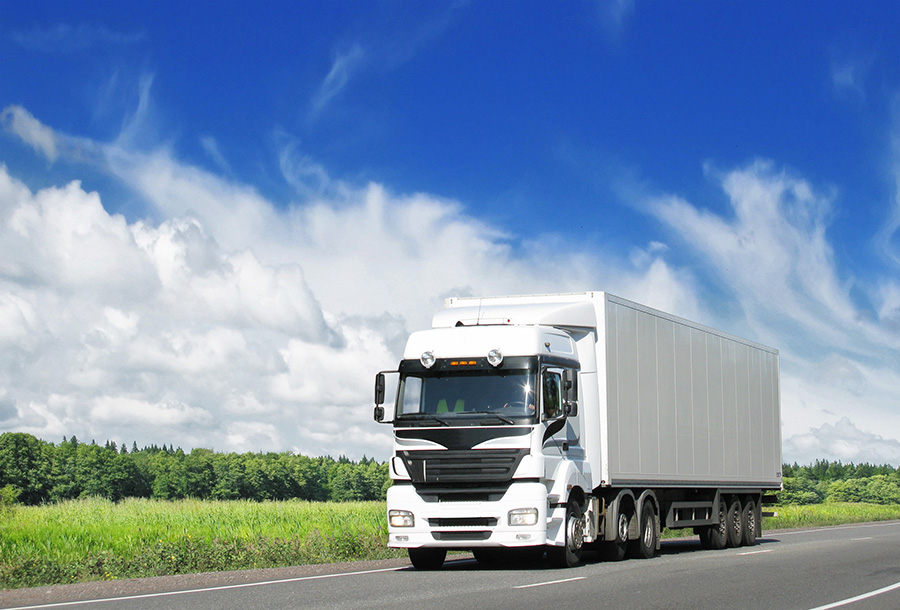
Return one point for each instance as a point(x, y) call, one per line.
point(94, 539)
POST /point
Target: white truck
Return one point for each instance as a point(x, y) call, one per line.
point(567, 422)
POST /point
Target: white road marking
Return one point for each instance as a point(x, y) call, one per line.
point(207, 589)
point(853, 600)
point(832, 528)
point(757, 552)
point(858, 539)
point(550, 582)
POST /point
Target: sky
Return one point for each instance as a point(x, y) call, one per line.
point(219, 220)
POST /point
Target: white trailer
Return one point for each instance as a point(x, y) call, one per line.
point(579, 421)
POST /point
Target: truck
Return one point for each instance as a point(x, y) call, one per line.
point(559, 423)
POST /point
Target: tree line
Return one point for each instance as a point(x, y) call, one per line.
point(826, 481)
point(33, 471)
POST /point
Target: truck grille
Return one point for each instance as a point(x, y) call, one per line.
point(462, 522)
point(459, 536)
point(462, 466)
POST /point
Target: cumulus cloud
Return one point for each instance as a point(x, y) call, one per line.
point(234, 323)
point(843, 441)
point(773, 257)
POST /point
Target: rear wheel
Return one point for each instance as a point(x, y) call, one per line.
point(569, 555)
point(735, 523)
point(750, 525)
point(716, 536)
point(427, 559)
point(645, 546)
point(615, 550)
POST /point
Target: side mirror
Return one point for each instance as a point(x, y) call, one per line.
point(385, 395)
point(379, 392)
point(570, 385)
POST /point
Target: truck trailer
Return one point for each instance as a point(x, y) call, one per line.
point(564, 422)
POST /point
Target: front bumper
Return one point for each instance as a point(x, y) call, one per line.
point(467, 525)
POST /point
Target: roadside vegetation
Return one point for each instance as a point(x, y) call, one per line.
point(76, 512)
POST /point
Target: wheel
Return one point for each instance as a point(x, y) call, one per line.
point(749, 524)
point(645, 546)
point(427, 559)
point(616, 550)
point(569, 555)
point(735, 527)
point(716, 536)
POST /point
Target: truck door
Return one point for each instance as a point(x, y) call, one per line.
point(561, 438)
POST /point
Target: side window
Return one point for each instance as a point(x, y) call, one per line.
point(552, 395)
point(411, 397)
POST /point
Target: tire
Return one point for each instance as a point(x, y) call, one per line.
point(735, 523)
point(749, 523)
point(616, 550)
point(427, 559)
point(645, 546)
point(569, 555)
point(715, 537)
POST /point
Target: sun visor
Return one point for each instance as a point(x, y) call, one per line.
point(578, 314)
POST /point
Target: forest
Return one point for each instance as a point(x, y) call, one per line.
point(33, 471)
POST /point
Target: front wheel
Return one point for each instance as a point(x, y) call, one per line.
point(569, 555)
point(427, 559)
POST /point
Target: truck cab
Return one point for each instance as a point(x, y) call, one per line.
point(487, 441)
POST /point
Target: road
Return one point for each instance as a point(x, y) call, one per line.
point(855, 567)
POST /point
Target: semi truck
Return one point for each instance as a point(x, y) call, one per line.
point(561, 423)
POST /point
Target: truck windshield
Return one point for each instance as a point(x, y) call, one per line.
point(494, 395)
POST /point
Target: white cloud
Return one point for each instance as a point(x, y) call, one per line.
point(773, 257)
point(234, 324)
point(41, 138)
point(843, 441)
point(66, 38)
point(343, 67)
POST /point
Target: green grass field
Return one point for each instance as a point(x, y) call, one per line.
point(94, 539)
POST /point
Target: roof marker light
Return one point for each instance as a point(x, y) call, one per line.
point(494, 357)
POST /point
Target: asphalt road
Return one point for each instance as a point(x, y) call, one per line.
point(855, 567)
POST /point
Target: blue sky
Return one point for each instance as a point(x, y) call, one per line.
point(219, 219)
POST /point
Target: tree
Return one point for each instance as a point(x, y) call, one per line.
point(26, 465)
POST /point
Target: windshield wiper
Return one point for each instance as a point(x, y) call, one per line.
point(435, 418)
point(501, 418)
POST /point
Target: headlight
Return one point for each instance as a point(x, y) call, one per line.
point(427, 360)
point(523, 516)
point(401, 518)
point(495, 357)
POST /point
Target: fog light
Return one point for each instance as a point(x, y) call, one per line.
point(523, 516)
point(401, 518)
point(401, 538)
